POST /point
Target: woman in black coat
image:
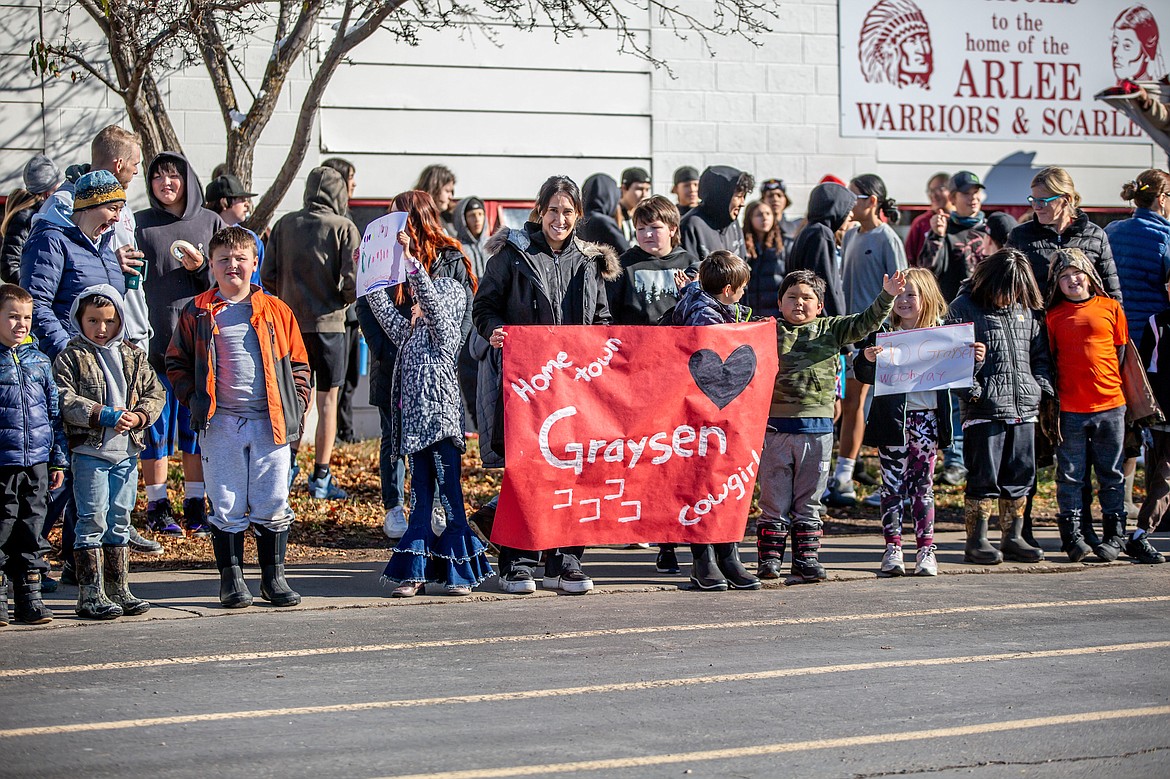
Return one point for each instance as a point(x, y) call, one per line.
point(542, 274)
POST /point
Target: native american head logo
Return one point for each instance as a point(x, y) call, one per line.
point(1134, 44)
point(894, 46)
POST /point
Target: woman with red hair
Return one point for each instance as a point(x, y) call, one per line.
point(442, 257)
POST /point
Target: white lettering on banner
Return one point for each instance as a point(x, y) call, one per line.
point(541, 381)
point(1005, 70)
point(576, 455)
point(593, 369)
point(598, 505)
point(736, 483)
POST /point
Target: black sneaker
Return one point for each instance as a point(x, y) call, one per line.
point(518, 581)
point(573, 581)
point(667, 561)
point(195, 517)
point(161, 519)
point(1139, 550)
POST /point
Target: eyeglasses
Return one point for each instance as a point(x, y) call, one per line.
point(1042, 202)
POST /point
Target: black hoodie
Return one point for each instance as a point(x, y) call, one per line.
point(646, 289)
point(815, 248)
point(168, 285)
point(598, 225)
point(708, 226)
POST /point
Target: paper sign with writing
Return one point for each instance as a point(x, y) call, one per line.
point(616, 435)
point(932, 358)
point(380, 262)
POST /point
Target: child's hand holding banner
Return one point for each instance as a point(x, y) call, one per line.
point(930, 358)
point(380, 263)
point(616, 435)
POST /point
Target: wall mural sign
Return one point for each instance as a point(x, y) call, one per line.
point(995, 69)
point(616, 435)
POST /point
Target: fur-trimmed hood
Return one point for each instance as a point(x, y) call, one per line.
point(605, 257)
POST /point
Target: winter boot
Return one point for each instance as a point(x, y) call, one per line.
point(271, 548)
point(26, 594)
point(806, 543)
point(117, 581)
point(1113, 526)
point(1026, 531)
point(976, 516)
point(705, 573)
point(1011, 524)
point(3, 600)
point(229, 559)
point(771, 538)
point(1087, 530)
point(727, 558)
point(1072, 543)
point(92, 602)
point(68, 570)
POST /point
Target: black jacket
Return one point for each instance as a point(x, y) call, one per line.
point(601, 195)
point(1040, 241)
point(886, 424)
point(646, 290)
point(14, 237)
point(1155, 353)
point(763, 289)
point(953, 256)
point(815, 248)
point(168, 286)
point(517, 289)
point(708, 226)
point(1015, 374)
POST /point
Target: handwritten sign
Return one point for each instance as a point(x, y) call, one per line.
point(618, 435)
point(380, 262)
point(932, 358)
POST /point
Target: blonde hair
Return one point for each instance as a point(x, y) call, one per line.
point(1058, 182)
point(112, 143)
point(932, 305)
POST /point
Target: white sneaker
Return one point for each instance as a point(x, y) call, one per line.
point(394, 525)
point(925, 564)
point(892, 564)
point(438, 520)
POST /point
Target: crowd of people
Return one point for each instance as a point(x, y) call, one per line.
point(127, 338)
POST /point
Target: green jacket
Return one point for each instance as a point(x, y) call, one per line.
point(809, 358)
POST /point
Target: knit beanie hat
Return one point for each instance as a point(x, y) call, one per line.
point(41, 174)
point(1063, 259)
point(97, 188)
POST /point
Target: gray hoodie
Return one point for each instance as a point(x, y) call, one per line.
point(115, 447)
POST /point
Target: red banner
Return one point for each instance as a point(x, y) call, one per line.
point(617, 435)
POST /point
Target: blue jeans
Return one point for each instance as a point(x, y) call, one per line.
point(1101, 435)
point(392, 469)
point(104, 493)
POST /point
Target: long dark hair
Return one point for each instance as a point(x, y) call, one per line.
point(1003, 279)
point(872, 185)
point(770, 240)
point(426, 233)
point(557, 185)
point(433, 178)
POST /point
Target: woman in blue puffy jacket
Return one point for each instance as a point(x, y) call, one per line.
point(1141, 249)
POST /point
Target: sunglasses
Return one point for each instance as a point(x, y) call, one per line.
point(771, 185)
point(1042, 202)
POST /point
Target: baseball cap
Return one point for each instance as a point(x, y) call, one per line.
point(684, 174)
point(964, 181)
point(226, 186)
point(635, 176)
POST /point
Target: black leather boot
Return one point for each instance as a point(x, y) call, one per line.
point(727, 558)
point(271, 548)
point(1113, 526)
point(806, 544)
point(771, 539)
point(26, 594)
point(117, 581)
point(1072, 543)
point(229, 558)
point(705, 573)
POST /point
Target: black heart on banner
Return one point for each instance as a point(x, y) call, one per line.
point(723, 380)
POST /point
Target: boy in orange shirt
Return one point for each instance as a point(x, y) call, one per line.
point(1087, 333)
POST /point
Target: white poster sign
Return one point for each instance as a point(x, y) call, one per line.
point(995, 69)
point(931, 358)
point(380, 263)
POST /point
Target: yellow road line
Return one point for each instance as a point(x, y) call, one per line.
point(285, 654)
point(520, 695)
point(761, 750)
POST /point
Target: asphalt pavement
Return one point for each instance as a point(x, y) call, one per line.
point(977, 672)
